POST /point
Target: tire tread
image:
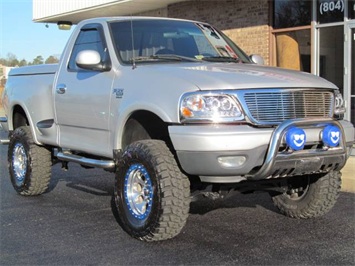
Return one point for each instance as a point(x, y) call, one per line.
point(39, 163)
point(322, 197)
point(174, 188)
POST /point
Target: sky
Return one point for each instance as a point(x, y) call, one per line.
point(24, 38)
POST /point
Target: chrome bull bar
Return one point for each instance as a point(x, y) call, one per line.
point(279, 164)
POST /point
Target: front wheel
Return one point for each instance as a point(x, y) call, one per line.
point(309, 196)
point(152, 195)
point(29, 164)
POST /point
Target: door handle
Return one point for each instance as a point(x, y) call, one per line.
point(61, 88)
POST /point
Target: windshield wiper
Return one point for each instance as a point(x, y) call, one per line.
point(221, 59)
point(165, 57)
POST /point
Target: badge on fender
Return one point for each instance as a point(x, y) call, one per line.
point(118, 93)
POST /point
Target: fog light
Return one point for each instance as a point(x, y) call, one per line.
point(331, 136)
point(296, 138)
point(232, 161)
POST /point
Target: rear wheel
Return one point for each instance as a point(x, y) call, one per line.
point(29, 164)
point(309, 196)
point(152, 195)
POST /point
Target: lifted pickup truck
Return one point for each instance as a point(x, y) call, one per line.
point(175, 109)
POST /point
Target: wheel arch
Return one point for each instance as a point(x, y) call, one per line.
point(20, 117)
point(140, 125)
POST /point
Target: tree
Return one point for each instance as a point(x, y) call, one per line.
point(51, 60)
point(3, 61)
point(23, 62)
point(38, 60)
point(12, 60)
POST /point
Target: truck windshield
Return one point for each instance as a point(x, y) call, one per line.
point(172, 40)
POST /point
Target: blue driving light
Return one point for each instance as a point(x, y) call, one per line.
point(296, 138)
point(331, 136)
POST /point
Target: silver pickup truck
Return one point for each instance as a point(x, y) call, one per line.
point(177, 111)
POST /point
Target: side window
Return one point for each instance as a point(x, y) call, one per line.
point(88, 39)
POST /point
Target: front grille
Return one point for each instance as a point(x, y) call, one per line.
point(273, 107)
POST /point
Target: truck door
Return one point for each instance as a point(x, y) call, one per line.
point(82, 97)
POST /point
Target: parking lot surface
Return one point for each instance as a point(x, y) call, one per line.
point(73, 224)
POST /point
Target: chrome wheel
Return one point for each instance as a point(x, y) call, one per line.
point(152, 196)
point(19, 163)
point(29, 164)
point(138, 191)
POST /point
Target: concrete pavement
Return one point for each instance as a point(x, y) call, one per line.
point(348, 178)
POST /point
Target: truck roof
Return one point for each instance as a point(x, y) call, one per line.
point(127, 18)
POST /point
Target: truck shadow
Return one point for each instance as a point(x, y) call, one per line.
point(92, 181)
point(203, 206)
point(101, 183)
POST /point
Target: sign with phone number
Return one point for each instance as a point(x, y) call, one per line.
point(330, 6)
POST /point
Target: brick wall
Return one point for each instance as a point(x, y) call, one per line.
point(245, 22)
point(161, 12)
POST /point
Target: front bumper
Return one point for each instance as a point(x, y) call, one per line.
point(200, 149)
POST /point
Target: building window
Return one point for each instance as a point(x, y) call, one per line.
point(292, 31)
point(352, 56)
point(351, 9)
point(330, 11)
point(331, 54)
point(293, 50)
point(292, 13)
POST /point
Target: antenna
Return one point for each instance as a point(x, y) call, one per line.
point(133, 54)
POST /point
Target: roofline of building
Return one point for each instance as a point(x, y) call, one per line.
point(121, 8)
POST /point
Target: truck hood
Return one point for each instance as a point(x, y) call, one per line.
point(224, 76)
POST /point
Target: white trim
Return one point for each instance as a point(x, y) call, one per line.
point(75, 11)
point(348, 65)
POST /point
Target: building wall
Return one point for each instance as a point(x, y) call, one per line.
point(245, 22)
point(161, 12)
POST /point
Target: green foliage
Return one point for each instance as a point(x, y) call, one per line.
point(51, 60)
point(38, 60)
point(11, 61)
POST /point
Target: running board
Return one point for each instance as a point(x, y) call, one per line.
point(4, 126)
point(4, 141)
point(68, 157)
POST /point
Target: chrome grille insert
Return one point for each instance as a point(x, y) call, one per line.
point(275, 106)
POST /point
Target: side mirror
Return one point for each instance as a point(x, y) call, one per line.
point(257, 59)
point(90, 60)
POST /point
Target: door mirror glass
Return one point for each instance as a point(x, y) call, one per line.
point(90, 60)
point(257, 59)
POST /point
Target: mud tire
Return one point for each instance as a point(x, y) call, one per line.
point(309, 196)
point(29, 164)
point(152, 195)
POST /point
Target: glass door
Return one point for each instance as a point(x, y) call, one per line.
point(331, 54)
point(352, 75)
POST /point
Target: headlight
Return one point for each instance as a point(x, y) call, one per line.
point(339, 103)
point(209, 107)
